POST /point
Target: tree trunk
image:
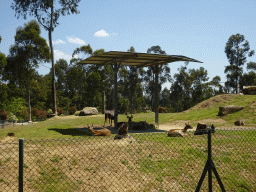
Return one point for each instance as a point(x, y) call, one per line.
point(53, 66)
point(29, 107)
point(156, 97)
point(103, 102)
point(115, 94)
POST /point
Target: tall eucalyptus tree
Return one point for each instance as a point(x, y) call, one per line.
point(236, 50)
point(47, 13)
point(29, 49)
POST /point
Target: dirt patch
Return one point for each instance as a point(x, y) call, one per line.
point(8, 139)
point(212, 121)
point(181, 124)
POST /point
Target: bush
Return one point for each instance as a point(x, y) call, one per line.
point(60, 111)
point(49, 111)
point(39, 114)
point(77, 113)
point(3, 115)
point(12, 117)
point(24, 114)
point(72, 110)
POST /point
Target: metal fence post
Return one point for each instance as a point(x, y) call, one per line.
point(21, 163)
point(209, 160)
point(209, 166)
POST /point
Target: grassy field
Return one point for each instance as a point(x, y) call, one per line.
point(143, 162)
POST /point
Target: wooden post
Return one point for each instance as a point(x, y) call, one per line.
point(115, 68)
point(103, 102)
point(156, 100)
point(156, 70)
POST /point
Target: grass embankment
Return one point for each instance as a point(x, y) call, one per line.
point(64, 127)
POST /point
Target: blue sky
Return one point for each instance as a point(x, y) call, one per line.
point(194, 28)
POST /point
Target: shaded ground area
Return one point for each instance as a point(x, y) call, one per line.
point(114, 131)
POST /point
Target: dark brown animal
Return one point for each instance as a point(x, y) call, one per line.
point(240, 122)
point(109, 115)
point(161, 110)
point(11, 134)
point(179, 132)
point(129, 120)
point(202, 128)
point(101, 132)
point(122, 131)
point(139, 125)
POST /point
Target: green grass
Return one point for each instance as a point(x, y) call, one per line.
point(232, 153)
point(56, 159)
point(53, 179)
point(63, 127)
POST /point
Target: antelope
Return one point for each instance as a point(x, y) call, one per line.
point(240, 122)
point(129, 120)
point(109, 115)
point(179, 132)
point(202, 128)
point(122, 131)
point(101, 132)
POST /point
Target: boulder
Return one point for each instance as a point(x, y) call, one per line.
point(88, 111)
point(224, 110)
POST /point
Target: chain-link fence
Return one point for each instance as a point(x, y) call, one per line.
point(142, 162)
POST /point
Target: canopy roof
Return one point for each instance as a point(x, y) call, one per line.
point(135, 59)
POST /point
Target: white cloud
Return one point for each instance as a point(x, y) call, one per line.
point(76, 40)
point(59, 41)
point(101, 33)
point(58, 54)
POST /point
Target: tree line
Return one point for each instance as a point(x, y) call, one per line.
point(70, 86)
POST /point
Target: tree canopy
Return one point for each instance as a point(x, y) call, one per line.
point(29, 49)
point(236, 50)
point(47, 13)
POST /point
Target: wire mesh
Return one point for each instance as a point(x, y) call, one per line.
point(141, 162)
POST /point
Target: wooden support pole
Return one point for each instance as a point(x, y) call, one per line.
point(156, 100)
point(115, 68)
point(156, 70)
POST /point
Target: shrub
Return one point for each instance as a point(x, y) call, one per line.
point(24, 114)
point(12, 117)
point(39, 114)
point(3, 114)
point(77, 113)
point(49, 111)
point(60, 111)
point(72, 110)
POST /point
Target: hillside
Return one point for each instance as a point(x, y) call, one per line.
point(207, 111)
